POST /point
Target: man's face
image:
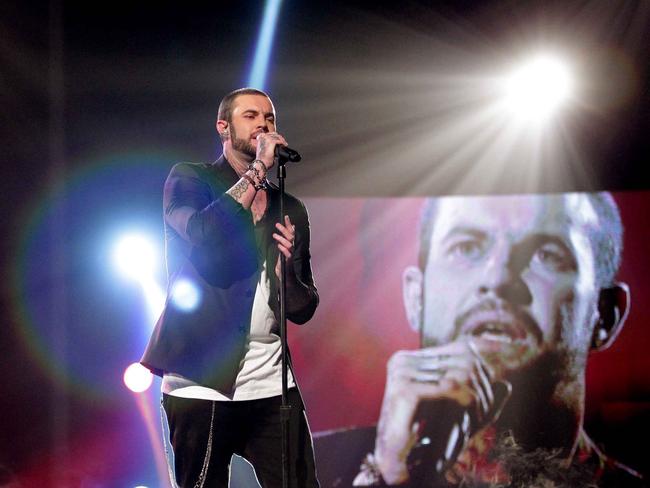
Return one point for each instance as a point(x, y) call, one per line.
point(251, 115)
point(515, 274)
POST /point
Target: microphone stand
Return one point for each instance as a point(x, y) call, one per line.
point(285, 408)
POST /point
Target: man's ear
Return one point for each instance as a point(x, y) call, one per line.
point(613, 307)
point(412, 287)
point(222, 129)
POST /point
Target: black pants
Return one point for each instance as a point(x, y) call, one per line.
point(249, 428)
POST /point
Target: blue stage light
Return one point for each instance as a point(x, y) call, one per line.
point(136, 258)
point(257, 78)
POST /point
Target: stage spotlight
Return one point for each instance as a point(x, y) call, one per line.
point(259, 69)
point(137, 378)
point(135, 257)
point(186, 295)
point(535, 90)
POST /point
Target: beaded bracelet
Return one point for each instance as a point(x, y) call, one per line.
point(261, 186)
point(251, 167)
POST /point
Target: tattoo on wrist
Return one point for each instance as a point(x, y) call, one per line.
point(238, 190)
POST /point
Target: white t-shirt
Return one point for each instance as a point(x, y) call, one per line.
point(260, 371)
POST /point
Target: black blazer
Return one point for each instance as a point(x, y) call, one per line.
point(211, 241)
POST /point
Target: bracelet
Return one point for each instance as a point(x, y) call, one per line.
point(369, 475)
point(261, 186)
point(251, 167)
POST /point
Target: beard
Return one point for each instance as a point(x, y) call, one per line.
point(241, 145)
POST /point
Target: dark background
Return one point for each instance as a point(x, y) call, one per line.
point(98, 100)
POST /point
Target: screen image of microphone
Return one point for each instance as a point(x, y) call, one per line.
point(444, 431)
point(284, 153)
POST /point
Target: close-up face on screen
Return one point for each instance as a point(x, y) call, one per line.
point(507, 307)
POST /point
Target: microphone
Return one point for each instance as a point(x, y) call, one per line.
point(445, 429)
point(284, 154)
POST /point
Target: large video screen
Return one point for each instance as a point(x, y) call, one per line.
point(478, 340)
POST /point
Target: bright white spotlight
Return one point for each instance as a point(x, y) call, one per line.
point(537, 89)
point(134, 256)
point(137, 378)
point(185, 295)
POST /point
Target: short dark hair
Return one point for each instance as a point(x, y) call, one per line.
point(225, 107)
point(606, 238)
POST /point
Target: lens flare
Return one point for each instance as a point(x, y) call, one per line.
point(137, 378)
point(63, 288)
point(185, 295)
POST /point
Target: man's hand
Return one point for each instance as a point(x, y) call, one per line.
point(266, 142)
point(285, 238)
point(454, 372)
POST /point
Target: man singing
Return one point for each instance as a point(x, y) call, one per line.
point(220, 357)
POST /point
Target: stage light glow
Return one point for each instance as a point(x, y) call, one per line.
point(257, 78)
point(137, 378)
point(155, 297)
point(185, 295)
point(149, 406)
point(536, 90)
point(134, 256)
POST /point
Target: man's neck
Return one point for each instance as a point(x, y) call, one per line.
point(238, 161)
